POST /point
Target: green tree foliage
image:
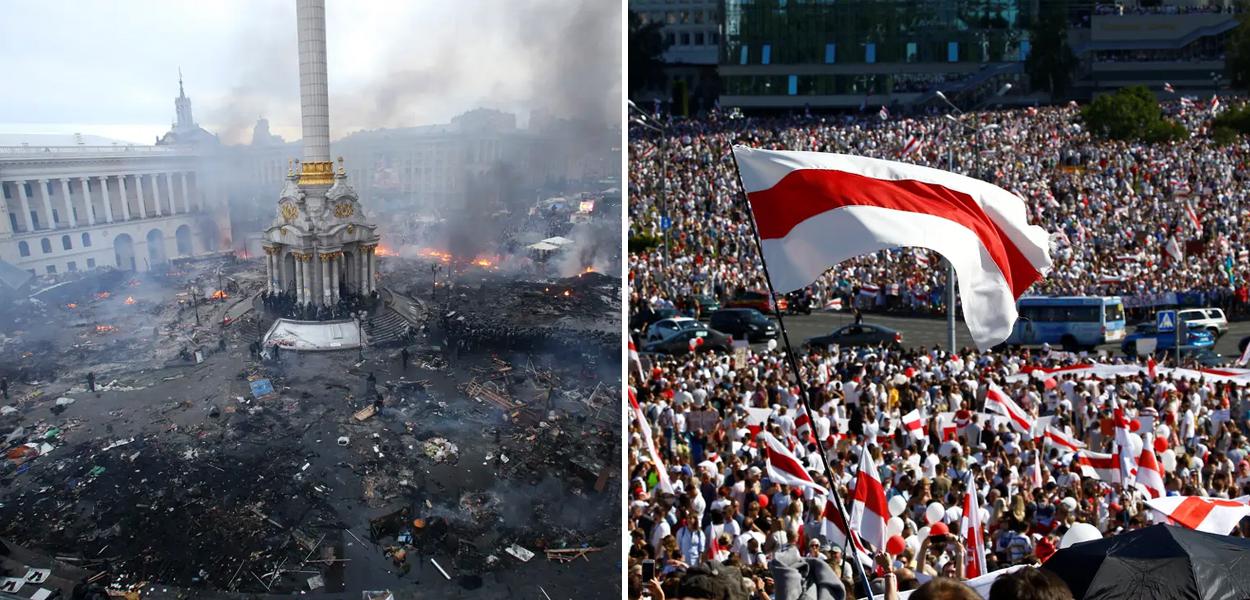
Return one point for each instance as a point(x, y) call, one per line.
point(1050, 62)
point(646, 49)
point(1226, 126)
point(1131, 113)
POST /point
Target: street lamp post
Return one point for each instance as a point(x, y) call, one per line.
point(642, 119)
point(950, 166)
point(434, 286)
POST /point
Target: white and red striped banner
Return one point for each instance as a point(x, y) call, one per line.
point(641, 420)
point(1097, 465)
point(815, 210)
point(1212, 515)
point(1149, 473)
point(914, 424)
point(973, 534)
point(1057, 438)
point(998, 401)
point(783, 466)
point(869, 510)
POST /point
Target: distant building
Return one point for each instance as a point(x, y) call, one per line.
point(70, 205)
point(691, 31)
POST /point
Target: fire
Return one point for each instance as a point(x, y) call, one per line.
point(130, 299)
point(436, 254)
point(103, 295)
point(219, 295)
point(71, 306)
point(384, 251)
point(105, 329)
point(586, 270)
point(567, 293)
point(482, 262)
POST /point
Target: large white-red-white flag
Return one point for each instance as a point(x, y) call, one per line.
point(645, 428)
point(996, 400)
point(974, 535)
point(1125, 460)
point(814, 210)
point(869, 510)
point(913, 144)
point(783, 466)
point(1064, 442)
point(1212, 515)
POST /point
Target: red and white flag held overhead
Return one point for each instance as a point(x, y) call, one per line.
point(1167, 87)
point(1097, 465)
point(645, 428)
point(996, 400)
point(914, 424)
point(834, 528)
point(815, 210)
point(884, 113)
point(1125, 460)
point(636, 361)
point(1152, 368)
point(1149, 475)
point(1193, 218)
point(1215, 104)
point(913, 144)
point(784, 467)
point(1057, 438)
point(973, 534)
point(1212, 515)
point(869, 510)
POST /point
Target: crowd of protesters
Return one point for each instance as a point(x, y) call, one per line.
point(705, 515)
point(1118, 210)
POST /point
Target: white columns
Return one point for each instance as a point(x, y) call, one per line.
point(6, 226)
point(21, 196)
point(68, 203)
point(334, 277)
point(306, 266)
point(86, 200)
point(325, 277)
point(361, 269)
point(121, 189)
point(108, 204)
point(42, 184)
point(143, 209)
point(182, 183)
point(369, 260)
point(299, 279)
point(156, 193)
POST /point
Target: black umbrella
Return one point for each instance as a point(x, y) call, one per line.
point(1163, 562)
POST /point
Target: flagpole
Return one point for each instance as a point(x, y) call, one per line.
point(798, 379)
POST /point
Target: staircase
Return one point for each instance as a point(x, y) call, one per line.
point(387, 328)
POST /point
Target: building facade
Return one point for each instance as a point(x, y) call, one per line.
point(850, 53)
point(691, 30)
point(74, 208)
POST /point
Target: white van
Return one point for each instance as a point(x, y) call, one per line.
point(1210, 319)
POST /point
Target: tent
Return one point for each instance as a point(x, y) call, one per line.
point(558, 241)
point(1156, 563)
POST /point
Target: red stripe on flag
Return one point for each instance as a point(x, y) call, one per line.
point(805, 193)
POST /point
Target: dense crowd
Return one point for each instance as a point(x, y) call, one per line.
point(704, 410)
point(1113, 207)
point(724, 522)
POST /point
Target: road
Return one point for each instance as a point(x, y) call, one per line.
point(918, 331)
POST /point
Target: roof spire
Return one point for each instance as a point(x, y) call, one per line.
point(181, 94)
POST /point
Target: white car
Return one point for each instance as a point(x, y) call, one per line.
point(1209, 319)
point(666, 328)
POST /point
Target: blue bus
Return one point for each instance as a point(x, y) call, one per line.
point(1072, 322)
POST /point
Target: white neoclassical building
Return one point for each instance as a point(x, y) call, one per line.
point(320, 244)
point(77, 207)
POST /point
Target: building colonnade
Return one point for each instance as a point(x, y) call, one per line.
point(314, 276)
point(43, 204)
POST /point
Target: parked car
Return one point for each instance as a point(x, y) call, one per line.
point(707, 305)
point(1198, 338)
point(646, 317)
point(665, 328)
point(862, 334)
point(743, 324)
point(1210, 319)
point(679, 343)
point(757, 299)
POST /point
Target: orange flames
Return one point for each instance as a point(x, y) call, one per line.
point(385, 251)
point(483, 262)
point(436, 254)
point(130, 299)
point(567, 293)
point(486, 262)
point(103, 295)
point(71, 306)
point(105, 329)
point(219, 295)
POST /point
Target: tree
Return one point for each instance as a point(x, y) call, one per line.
point(1130, 113)
point(1050, 62)
point(1237, 62)
point(646, 49)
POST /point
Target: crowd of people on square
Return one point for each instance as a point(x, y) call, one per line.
point(710, 515)
point(1115, 208)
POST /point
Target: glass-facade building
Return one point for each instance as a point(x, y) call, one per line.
point(778, 53)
